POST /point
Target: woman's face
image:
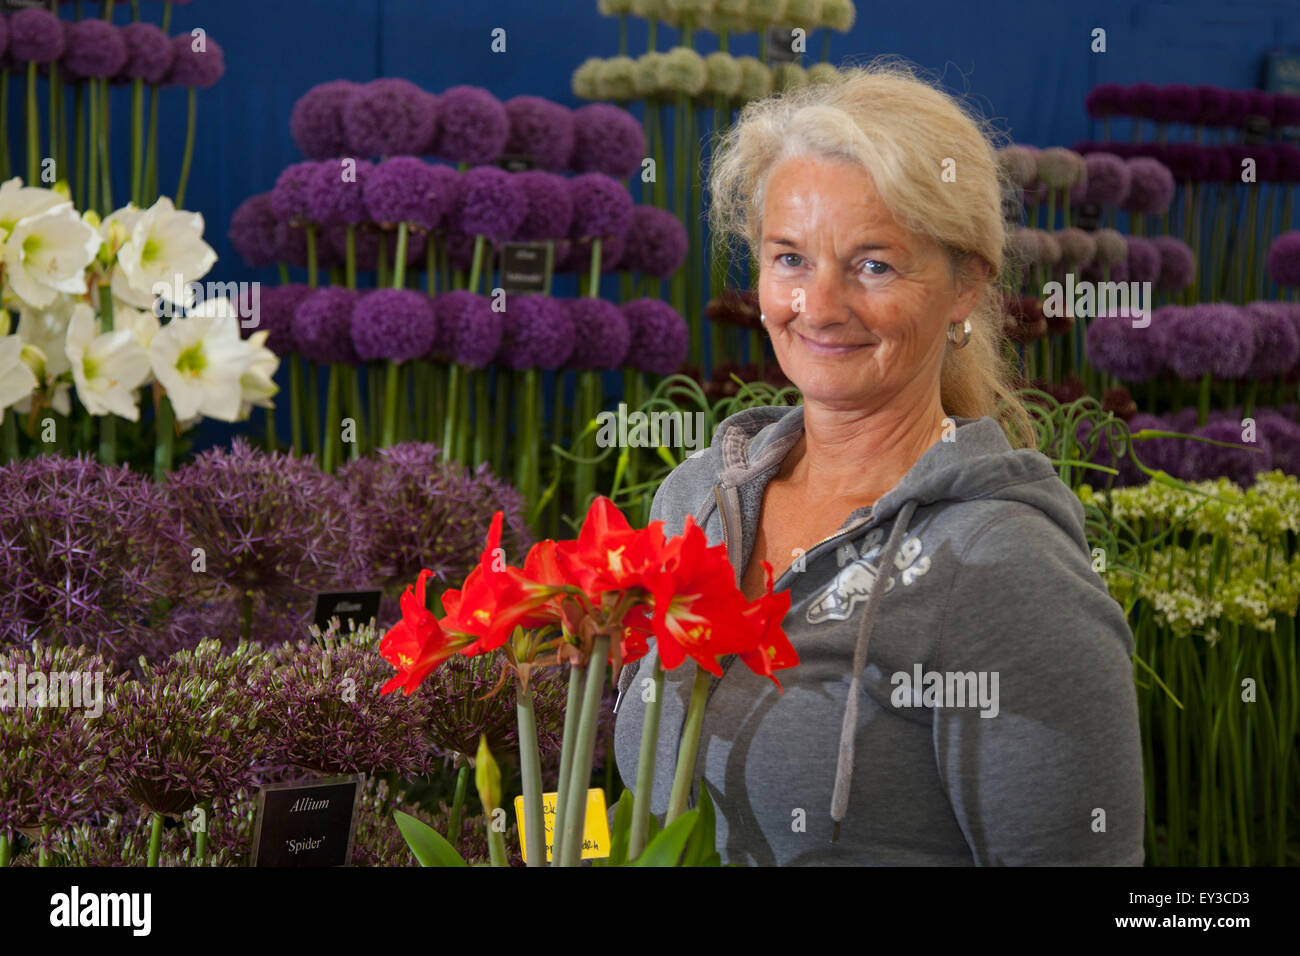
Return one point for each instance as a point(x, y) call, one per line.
point(857, 305)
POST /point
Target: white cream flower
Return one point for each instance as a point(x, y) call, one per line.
point(199, 360)
point(48, 253)
point(257, 384)
point(16, 380)
point(166, 248)
point(47, 330)
point(107, 367)
point(19, 202)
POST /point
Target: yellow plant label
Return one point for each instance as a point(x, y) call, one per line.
point(595, 828)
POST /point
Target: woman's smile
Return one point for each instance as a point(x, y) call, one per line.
point(831, 349)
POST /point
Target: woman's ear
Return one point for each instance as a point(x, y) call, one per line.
point(973, 275)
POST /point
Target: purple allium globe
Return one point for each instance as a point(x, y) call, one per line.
point(316, 122)
point(322, 326)
point(292, 192)
point(94, 48)
point(1108, 178)
point(149, 54)
point(1103, 100)
point(473, 126)
point(389, 117)
point(469, 330)
point(275, 316)
point(393, 324)
point(537, 332)
point(656, 242)
point(268, 524)
point(601, 206)
point(1159, 454)
point(274, 620)
point(576, 256)
point(1277, 345)
point(1241, 465)
point(198, 63)
point(1131, 354)
point(607, 139)
point(541, 129)
point(414, 511)
point(290, 244)
point(1177, 263)
point(1217, 340)
point(1284, 259)
point(407, 189)
point(53, 772)
point(1177, 103)
point(335, 191)
point(4, 37)
point(1143, 260)
point(601, 334)
point(191, 729)
point(1283, 437)
point(489, 203)
point(35, 36)
point(550, 206)
point(252, 231)
point(660, 337)
point(1151, 187)
point(63, 522)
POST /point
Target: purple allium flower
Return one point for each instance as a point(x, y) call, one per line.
point(94, 48)
point(316, 122)
point(274, 620)
point(1283, 437)
point(63, 521)
point(1214, 339)
point(396, 324)
point(1259, 103)
point(252, 231)
point(1186, 161)
point(607, 139)
point(414, 511)
point(1219, 167)
point(1077, 247)
point(550, 205)
point(269, 524)
point(541, 129)
point(1284, 259)
point(489, 203)
point(291, 195)
point(335, 191)
point(1214, 105)
point(1177, 103)
point(537, 332)
point(601, 206)
point(1241, 465)
point(1108, 179)
point(656, 242)
point(601, 334)
point(191, 729)
point(473, 126)
point(1103, 100)
point(322, 326)
point(1177, 263)
point(196, 68)
point(469, 330)
point(389, 117)
point(660, 337)
point(407, 189)
point(323, 724)
point(1131, 354)
point(460, 250)
point(1286, 109)
point(52, 773)
point(1096, 271)
point(149, 54)
point(1157, 453)
point(1277, 346)
point(576, 256)
point(4, 38)
point(1020, 164)
point(1143, 260)
point(35, 36)
point(290, 244)
point(1151, 188)
point(1139, 99)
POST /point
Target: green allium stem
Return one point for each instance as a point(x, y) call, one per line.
point(458, 802)
point(188, 157)
point(584, 751)
point(645, 767)
point(567, 745)
point(685, 773)
point(531, 769)
point(155, 839)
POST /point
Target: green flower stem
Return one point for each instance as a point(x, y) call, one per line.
point(137, 141)
point(33, 129)
point(496, 845)
point(584, 751)
point(392, 371)
point(272, 440)
point(312, 272)
point(645, 766)
point(476, 265)
point(55, 94)
point(164, 438)
point(350, 256)
point(530, 766)
point(1203, 401)
point(151, 155)
point(5, 160)
point(329, 459)
point(567, 746)
point(437, 400)
point(105, 154)
point(528, 450)
point(357, 411)
point(482, 422)
point(6, 850)
point(10, 428)
point(92, 150)
point(155, 839)
point(313, 410)
point(453, 412)
point(78, 180)
point(458, 802)
point(108, 423)
point(295, 402)
point(685, 773)
point(43, 858)
point(593, 276)
point(188, 157)
point(399, 257)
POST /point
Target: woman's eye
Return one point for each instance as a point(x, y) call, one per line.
point(789, 255)
point(876, 267)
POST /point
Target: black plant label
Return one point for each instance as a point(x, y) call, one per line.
point(1088, 217)
point(525, 267)
point(516, 162)
point(22, 4)
point(1256, 130)
point(307, 823)
point(359, 607)
point(780, 45)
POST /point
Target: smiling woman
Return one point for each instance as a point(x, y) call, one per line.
point(992, 717)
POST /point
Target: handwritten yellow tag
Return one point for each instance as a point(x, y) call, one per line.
point(595, 828)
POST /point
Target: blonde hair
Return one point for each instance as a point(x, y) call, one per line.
point(904, 131)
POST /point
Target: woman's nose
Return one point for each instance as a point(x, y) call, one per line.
point(822, 299)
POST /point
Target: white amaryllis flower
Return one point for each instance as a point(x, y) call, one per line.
point(166, 248)
point(107, 367)
point(20, 202)
point(47, 330)
point(257, 384)
point(199, 360)
point(16, 380)
point(48, 253)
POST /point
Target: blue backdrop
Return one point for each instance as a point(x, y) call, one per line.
point(1028, 65)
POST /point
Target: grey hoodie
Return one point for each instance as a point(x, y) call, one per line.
point(990, 716)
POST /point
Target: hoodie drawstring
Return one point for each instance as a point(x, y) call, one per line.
point(849, 729)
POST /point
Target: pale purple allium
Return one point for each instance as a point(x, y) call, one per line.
point(35, 36)
point(393, 324)
point(469, 330)
point(199, 68)
point(149, 54)
point(473, 126)
point(1151, 188)
point(94, 48)
point(1177, 263)
point(390, 117)
point(660, 337)
point(414, 511)
point(601, 334)
point(252, 231)
point(1143, 260)
point(1160, 454)
point(322, 326)
point(1241, 465)
point(316, 122)
point(489, 203)
point(537, 332)
point(1277, 346)
point(550, 206)
point(656, 242)
point(1108, 179)
point(1218, 340)
point(1177, 103)
point(1283, 437)
point(602, 206)
point(291, 244)
point(541, 129)
point(1131, 354)
point(607, 139)
point(1284, 259)
point(291, 195)
point(335, 191)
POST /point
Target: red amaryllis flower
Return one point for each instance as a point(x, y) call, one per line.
point(415, 645)
point(610, 555)
point(774, 651)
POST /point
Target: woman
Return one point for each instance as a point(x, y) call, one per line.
point(964, 693)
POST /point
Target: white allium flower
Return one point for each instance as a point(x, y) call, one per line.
point(107, 367)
